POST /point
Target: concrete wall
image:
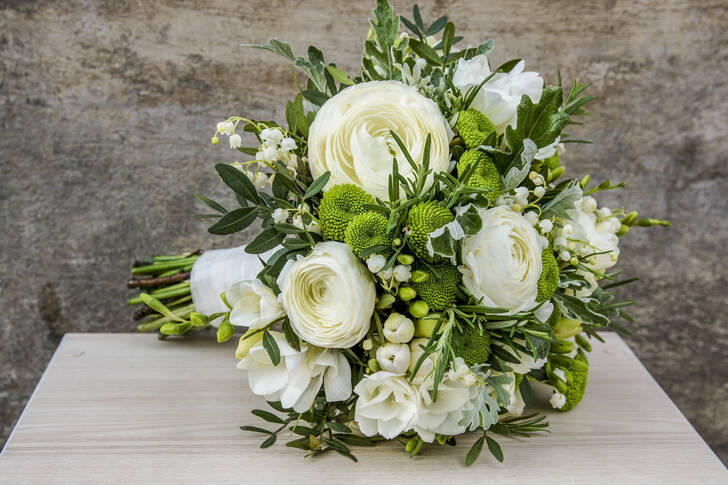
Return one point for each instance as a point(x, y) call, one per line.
point(107, 108)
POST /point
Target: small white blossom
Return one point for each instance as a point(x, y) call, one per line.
point(387, 273)
point(402, 272)
point(235, 141)
point(376, 262)
point(267, 154)
point(604, 212)
point(557, 400)
point(546, 226)
point(588, 204)
point(560, 242)
point(559, 372)
point(532, 217)
point(567, 229)
point(565, 255)
point(260, 180)
point(271, 136)
point(280, 216)
point(521, 196)
point(225, 127)
point(544, 242)
point(536, 178)
point(288, 144)
point(539, 191)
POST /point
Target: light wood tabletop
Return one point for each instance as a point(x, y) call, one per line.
point(121, 408)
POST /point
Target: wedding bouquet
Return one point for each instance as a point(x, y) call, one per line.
point(422, 260)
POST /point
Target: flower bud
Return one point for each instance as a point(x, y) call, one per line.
point(373, 365)
point(367, 345)
point(419, 276)
point(385, 301)
point(169, 329)
point(425, 326)
point(630, 218)
point(405, 259)
point(215, 140)
point(398, 328)
point(556, 173)
point(406, 293)
point(393, 357)
point(396, 242)
point(419, 309)
point(198, 319)
point(574, 261)
point(585, 181)
point(566, 328)
point(623, 229)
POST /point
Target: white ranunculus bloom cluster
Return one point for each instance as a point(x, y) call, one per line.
point(297, 379)
point(329, 296)
point(350, 136)
point(499, 98)
point(502, 262)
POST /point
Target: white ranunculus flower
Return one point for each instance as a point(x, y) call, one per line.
point(328, 296)
point(387, 405)
point(441, 416)
point(502, 262)
point(297, 379)
point(254, 304)
point(499, 98)
point(350, 136)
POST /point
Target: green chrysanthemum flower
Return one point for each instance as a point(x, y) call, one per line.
point(367, 230)
point(440, 288)
point(549, 279)
point(486, 174)
point(577, 372)
point(473, 347)
point(424, 218)
point(474, 127)
point(339, 205)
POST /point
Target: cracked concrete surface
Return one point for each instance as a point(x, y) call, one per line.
point(107, 108)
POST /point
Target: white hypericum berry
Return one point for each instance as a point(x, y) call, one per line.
point(539, 191)
point(235, 141)
point(546, 225)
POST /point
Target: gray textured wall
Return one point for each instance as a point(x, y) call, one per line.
point(107, 108)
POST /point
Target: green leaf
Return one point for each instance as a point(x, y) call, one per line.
point(270, 417)
point(436, 26)
point(268, 441)
point(339, 75)
point(277, 47)
point(337, 445)
point(474, 452)
point(352, 439)
point(234, 221)
point(158, 306)
point(238, 181)
point(265, 241)
point(339, 428)
point(211, 203)
point(271, 347)
point(316, 97)
point(448, 38)
point(225, 331)
point(563, 203)
point(317, 185)
point(495, 448)
point(255, 429)
point(291, 336)
point(470, 220)
point(425, 51)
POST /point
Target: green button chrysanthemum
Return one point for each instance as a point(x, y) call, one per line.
point(339, 205)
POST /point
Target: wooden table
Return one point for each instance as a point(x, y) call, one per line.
point(120, 408)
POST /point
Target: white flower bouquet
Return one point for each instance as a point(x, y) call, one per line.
point(422, 260)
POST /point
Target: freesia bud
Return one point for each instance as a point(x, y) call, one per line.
point(385, 301)
point(393, 357)
point(419, 276)
point(419, 309)
point(406, 293)
point(398, 328)
point(405, 259)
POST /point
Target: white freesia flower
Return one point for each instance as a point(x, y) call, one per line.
point(398, 328)
point(350, 136)
point(502, 262)
point(329, 296)
point(297, 379)
point(592, 234)
point(387, 405)
point(441, 416)
point(254, 304)
point(499, 98)
point(393, 357)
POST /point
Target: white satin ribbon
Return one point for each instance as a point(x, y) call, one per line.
point(216, 270)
